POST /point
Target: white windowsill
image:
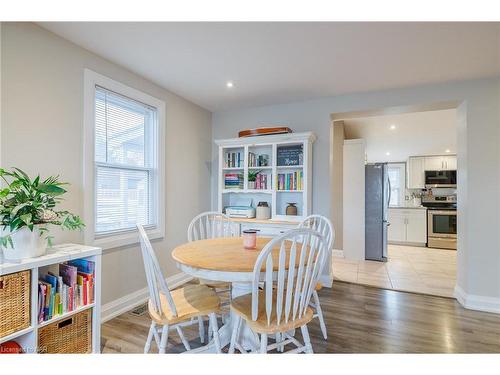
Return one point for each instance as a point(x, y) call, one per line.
point(127, 238)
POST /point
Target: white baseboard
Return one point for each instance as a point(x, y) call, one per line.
point(475, 302)
point(338, 253)
point(128, 302)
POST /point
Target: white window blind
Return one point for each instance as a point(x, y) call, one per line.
point(125, 163)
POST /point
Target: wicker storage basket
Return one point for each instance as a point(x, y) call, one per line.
point(14, 302)
point(70, 335)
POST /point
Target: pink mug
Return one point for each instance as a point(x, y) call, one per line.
point(250, 239)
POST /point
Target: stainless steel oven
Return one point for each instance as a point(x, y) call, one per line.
point(442, 228)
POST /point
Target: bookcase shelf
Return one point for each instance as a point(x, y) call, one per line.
point(66, 315)
point(261, 168)
point(290, 166)
point(17, 334)
point(28, 337)
point(272, 152)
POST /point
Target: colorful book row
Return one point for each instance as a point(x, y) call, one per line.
point(233, 181)
point(261, 182)
point(73, 287)
point(290, 181)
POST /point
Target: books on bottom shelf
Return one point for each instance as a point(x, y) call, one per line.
point(72, 288)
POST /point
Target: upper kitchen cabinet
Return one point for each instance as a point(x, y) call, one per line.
point(416, 175)
point(440, 163)
point(450, 162)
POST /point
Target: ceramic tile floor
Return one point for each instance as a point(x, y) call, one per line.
point(409, 269)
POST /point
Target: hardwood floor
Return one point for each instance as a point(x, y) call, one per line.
point(360, 319)
point(408, 268)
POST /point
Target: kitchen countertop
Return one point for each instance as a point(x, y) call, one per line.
point(408, 207)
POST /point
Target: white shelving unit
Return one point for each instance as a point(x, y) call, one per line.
point(270, 146)
point(28, 337)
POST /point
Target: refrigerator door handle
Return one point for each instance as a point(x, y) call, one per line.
point(390, 192)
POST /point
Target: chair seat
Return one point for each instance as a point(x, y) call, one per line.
point(215, 284)
point(243, 307)
point(318, 287)
point(190, 301)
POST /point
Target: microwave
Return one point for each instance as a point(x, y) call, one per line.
point(434, 179)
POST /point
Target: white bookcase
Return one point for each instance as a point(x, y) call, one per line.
point(28, 338)
point(277, 199)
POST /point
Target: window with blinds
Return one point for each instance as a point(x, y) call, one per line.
point(125, 163)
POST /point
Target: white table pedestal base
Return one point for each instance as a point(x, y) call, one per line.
point(247, 338)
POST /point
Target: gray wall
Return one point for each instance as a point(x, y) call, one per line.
point(42, 123)
point(478, 158)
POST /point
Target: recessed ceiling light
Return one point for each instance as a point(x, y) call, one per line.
point(447, 151)
point(229, 84)
point(387, 153)
point(392, 127)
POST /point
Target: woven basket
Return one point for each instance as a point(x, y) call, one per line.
point(71, 335)
point(14, 302)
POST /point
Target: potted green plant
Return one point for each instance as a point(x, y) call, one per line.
point(27, 209)
point(252, 176)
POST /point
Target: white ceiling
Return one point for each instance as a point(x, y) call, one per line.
point(281, 62)
point(420, 133)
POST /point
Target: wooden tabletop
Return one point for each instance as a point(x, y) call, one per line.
point(225, 254)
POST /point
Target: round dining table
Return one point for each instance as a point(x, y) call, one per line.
point(224, 259)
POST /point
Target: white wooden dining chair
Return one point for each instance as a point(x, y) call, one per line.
point(322, 225)
point(204, 226)
point(283, 303)
point(174, 309)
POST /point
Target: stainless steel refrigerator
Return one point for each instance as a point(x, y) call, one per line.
point(377, 197)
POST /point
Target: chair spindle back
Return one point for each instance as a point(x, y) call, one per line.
point(300, 255)
point(209, 225)
point(154, 276)
point(322, 225)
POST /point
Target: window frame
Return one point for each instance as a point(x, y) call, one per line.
point(126, 236)
point(402, 166)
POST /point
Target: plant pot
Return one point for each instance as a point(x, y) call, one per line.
point(27, 244)
point(251, 184)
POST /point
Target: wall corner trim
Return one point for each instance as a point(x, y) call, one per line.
point(123, 304)
point(475, 302)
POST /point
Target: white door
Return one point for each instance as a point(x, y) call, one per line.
point(450, 163)
point(416, 175)
point(416, 227)
point(397, 228)
point(434, 163)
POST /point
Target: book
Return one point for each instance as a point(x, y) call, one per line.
point(42, 292)
point(83, 265)
point(68, 274)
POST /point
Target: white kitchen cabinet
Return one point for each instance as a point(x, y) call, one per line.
point(416, 226)
point(397, 228)
point(416, 175)
point(433, 163)
point(408, 226)
point(450, 162)
point(440, 163)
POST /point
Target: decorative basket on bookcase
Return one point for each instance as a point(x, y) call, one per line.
point(14, 302)
point(66, 336)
